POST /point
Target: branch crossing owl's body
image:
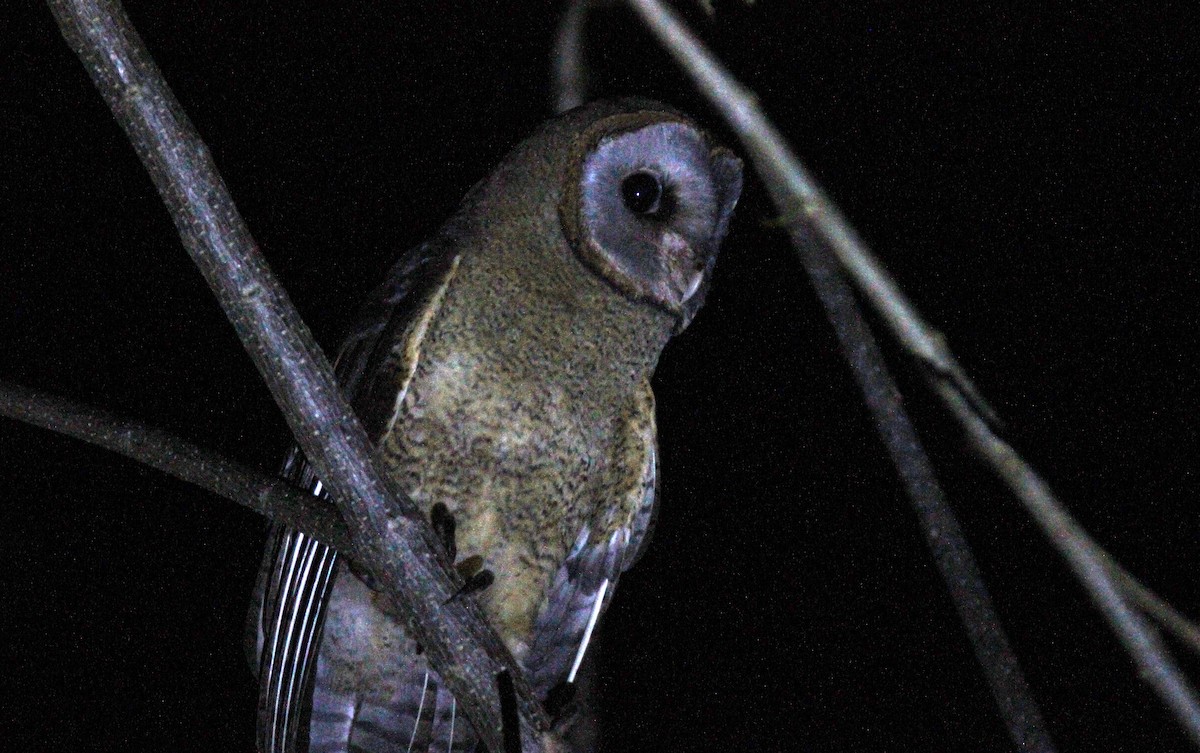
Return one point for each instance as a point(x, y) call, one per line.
point(503, 372)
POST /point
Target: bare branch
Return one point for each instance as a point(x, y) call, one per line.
point(273, 497)
point(943, 534)
point(395, 542)
point(1186, 631)
point(569, 72)
point(1087, 560)
point(812, 217)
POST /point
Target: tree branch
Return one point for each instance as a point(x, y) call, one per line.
point(275, 498)
point(395, 542)
point(1184, 630)
point(943, 534)
point(813, 218)
point(568, 69)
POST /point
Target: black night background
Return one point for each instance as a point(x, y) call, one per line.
point(1018, 167)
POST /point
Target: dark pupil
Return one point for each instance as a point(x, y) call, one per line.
point(641, 192)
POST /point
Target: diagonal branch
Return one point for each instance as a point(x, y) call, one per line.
point(943, 534)
point(812, 218)
point(395, 543)
point(1169, 618)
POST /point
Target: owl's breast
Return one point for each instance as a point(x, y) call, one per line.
point(514, 459)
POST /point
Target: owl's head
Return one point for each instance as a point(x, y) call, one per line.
point(647, 202)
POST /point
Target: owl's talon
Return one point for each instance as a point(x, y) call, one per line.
point(476, 583)
point(444, 525)
point(469, 566)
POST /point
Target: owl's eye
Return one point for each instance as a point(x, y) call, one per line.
point(642, 192)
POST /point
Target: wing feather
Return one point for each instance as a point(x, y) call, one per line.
point(584, 584)
point(374, 363)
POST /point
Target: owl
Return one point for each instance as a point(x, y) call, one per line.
point(503, 373)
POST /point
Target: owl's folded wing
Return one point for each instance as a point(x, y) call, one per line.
point(294, 584)
point(585, 582)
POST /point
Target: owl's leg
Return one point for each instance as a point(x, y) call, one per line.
point(477, 577)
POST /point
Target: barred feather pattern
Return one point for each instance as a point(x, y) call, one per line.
point(372, 691)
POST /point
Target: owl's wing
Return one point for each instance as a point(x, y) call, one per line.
point(373, 366)
point(584, 584)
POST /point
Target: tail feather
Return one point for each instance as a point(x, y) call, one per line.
point(364, 722)
point(290, 635)
point(451, 734)
point(331, 720)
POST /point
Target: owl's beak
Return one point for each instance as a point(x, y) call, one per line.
point(685, 268)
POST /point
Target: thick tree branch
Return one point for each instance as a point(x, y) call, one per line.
point(395, 542)
point(813, 219)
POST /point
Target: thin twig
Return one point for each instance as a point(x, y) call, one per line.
point(397, 545)
point(943, 534)
point(275, 498)
point(1186, 631)
point(1087, 560)
point(812, 214)
point(569, 72)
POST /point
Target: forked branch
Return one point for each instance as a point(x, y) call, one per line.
point(813, 219)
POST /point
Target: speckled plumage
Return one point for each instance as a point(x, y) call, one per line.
point(503, 370)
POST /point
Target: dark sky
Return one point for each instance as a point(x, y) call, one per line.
point(1020, 172)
